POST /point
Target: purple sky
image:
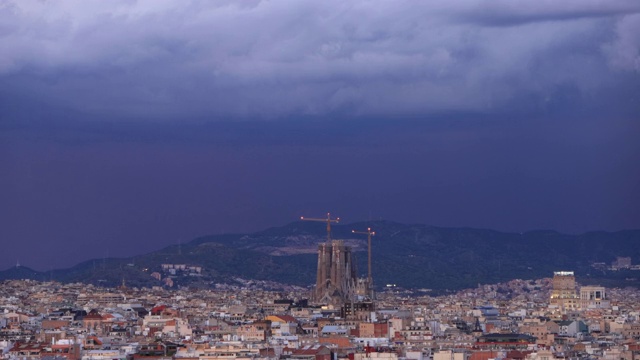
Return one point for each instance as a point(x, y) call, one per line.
point(129, 125)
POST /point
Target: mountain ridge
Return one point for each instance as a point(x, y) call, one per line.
point(410, 255)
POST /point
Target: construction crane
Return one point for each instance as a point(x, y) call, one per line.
point(328, 220)
point(369, 234)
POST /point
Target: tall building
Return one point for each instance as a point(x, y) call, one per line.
point(563, 293)
point(336, 279)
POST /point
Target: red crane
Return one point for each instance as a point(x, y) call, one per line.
point(369, 234)
point(328, 220)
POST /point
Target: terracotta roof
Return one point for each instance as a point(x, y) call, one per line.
point(288, 318)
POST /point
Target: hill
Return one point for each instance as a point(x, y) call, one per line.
point(414, 255)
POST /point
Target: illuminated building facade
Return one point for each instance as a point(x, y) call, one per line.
point(563, 293)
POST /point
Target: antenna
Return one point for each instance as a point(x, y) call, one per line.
point(179, 246)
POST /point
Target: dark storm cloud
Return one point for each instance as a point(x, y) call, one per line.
point(271, 59)
point(511, 13)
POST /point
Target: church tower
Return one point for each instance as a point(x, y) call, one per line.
point(336, 278)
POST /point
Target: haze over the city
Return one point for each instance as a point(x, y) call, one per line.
point(126, 126)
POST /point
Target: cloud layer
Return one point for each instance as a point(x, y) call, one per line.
point(275, 59)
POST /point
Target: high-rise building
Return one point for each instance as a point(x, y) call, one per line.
point(563, 293)
point(336, 279)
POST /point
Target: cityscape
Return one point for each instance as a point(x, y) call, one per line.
point(319, 180)
point(342, 316)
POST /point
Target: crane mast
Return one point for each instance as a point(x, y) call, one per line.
point(369, 234)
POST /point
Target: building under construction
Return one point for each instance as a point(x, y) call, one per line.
point(337, 282)
point(336, 279)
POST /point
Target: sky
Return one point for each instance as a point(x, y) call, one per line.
point(126, 126)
